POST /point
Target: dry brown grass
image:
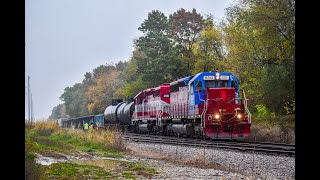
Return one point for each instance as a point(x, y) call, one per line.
point(45, 127)
point(271, 133)
point(108, 138)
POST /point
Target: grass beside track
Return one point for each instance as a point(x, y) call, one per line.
point(47, 139)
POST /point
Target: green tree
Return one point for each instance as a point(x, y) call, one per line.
point(260, 38)
point(58, 112)
point(158, 60)
point(208, 50)
point(133, 88)
point(74, 100)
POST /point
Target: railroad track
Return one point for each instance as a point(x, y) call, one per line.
point(264, 147)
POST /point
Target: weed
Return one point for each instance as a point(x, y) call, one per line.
point(128, 175)
point(152, 171)
point(68, 170)
point(134, 165)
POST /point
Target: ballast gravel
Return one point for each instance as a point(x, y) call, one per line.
point(170, 160)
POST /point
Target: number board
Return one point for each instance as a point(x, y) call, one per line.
point(208, 77)
point(224, 77)
point(166, 95)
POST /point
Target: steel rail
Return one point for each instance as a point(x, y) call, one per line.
point(241, 146)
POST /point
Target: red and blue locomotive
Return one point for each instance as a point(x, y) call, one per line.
point(207, 104)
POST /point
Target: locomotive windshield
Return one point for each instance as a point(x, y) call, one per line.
point(215, 84)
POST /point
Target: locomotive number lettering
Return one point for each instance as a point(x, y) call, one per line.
point(224, 77)
point(166, 95)
point(208, 77)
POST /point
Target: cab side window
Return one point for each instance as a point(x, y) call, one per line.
point(199, 86)
point(234, 85)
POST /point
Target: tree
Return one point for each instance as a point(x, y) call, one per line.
point(158, 60)
point(208, 50)
point(74, 100)
point(101, 95)
point(260, 38)
point(58, 112)
point(88, 79)
point(184, 29)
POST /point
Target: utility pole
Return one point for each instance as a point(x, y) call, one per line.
point(29, 117)
point(31, 110)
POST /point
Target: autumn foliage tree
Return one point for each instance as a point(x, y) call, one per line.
point(100, 95)
point(184, 29)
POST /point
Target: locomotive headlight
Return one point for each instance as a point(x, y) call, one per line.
point(217, 75)
point(239, 116)
point(217, 116)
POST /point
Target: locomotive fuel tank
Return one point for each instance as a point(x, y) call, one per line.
point(124, 113)
point(182, 129)
point(110, 114)
point(144, 128)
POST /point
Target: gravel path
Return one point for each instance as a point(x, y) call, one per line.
point(174, 162)
point(169, 170)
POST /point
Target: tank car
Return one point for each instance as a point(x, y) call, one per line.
point(119, 114)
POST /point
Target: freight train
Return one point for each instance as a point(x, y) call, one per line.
point(207, 104)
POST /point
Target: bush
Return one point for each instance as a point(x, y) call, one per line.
point(279, 129)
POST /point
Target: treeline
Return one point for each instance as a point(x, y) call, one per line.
point(256, 42)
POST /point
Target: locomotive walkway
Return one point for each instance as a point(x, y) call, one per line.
point(261, 147)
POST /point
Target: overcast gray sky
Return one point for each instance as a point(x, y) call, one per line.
point(67, 38)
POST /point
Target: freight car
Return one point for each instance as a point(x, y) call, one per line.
point(77, 123)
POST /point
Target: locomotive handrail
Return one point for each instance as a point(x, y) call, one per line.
point(143, 108)
point(158, 116)
point(161, 114)
point(203, 122)
point(246, 106)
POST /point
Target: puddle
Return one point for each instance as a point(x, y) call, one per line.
point(95, 160)
point(43, 160)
